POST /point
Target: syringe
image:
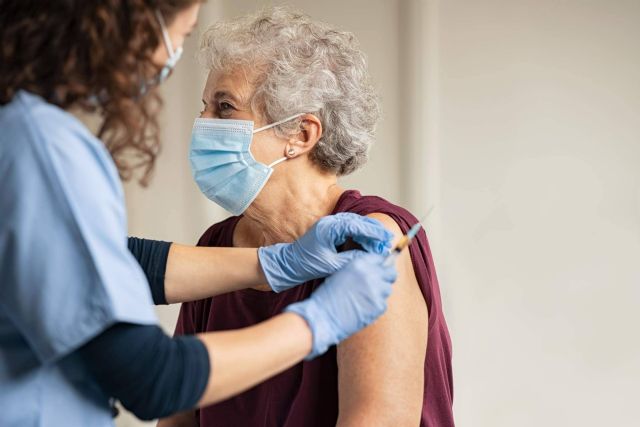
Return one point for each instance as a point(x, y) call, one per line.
point(405, 240)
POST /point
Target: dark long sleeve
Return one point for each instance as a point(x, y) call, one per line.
point(151, 374)
point(152, 256)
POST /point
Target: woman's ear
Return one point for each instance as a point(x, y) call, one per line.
point(307, 138)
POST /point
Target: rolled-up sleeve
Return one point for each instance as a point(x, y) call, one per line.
point(66, 271)
point(152, 255)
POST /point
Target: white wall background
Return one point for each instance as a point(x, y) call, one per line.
point(519, 120)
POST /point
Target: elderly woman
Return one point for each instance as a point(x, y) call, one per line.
point(305, 87)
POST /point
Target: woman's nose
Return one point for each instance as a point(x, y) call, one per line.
point(206, 115)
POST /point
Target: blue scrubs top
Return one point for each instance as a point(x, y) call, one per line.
point(65, 271)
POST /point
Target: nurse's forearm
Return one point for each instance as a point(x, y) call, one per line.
point(156, 376)
point(240, 359)
point(195, 273)
point(179, 273)
point(151, 374)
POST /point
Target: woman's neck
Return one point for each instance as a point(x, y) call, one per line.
point(287, 207)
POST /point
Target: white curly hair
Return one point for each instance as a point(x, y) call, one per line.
point(304, 66)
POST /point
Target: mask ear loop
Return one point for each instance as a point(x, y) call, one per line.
point(278, 123)
point(165, 34)
point(277, 162)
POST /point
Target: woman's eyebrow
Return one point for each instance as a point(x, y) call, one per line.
point(224, 94)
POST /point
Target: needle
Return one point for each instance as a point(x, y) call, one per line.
point(406, 239)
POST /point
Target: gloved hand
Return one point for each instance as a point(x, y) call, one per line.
point(314, 255)
point(347, 301)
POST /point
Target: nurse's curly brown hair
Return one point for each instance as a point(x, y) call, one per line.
point(91, 55)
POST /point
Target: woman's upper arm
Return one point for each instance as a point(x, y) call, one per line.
point(381, 368)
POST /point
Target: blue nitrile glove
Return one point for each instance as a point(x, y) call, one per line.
point(347, 301)
point(314, 255)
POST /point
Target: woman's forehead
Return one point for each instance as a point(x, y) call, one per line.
point(236, 82)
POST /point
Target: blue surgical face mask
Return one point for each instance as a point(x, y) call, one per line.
point(222, 163)
point(172, 60)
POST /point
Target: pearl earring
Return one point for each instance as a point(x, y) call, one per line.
point(291, 152)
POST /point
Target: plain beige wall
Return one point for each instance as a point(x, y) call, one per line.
point(539, 135)
point(519, 121)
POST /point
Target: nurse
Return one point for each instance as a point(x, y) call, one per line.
point(77, 329)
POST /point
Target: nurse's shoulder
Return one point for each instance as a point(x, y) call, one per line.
point(63, 220)
point(38, 134)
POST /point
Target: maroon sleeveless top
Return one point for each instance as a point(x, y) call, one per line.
point(306, 395)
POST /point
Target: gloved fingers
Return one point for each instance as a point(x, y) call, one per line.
point(368, 232)
point(390, 274)
point(384, 307)
point(376, 264)
point(373, 245)
point(380, 306)
point(342, 259)
point(368, 261)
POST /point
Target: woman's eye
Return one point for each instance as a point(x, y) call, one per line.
point(225, 106)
